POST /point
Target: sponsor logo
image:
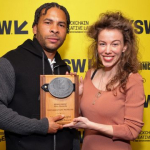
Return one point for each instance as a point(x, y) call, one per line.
point(6, 27)
point(2, 137)
point(145, 65)
point(78, 26)
point(141, 26)
point(144, 136)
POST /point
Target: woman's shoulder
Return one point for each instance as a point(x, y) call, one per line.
point(90, 72)
point(135, 78)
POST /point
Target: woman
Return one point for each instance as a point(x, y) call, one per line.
point(112, 96)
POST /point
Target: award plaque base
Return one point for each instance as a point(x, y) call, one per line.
point(54, 100)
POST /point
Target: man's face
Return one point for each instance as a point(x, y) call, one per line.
point(51, 29)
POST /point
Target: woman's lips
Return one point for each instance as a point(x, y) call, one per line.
point(108, 58)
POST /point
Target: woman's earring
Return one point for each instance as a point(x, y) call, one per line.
point(96, 54)
point(122, 54)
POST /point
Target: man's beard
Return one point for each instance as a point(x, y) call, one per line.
point(51, 50)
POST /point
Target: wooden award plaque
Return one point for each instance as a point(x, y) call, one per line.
point(59, 96)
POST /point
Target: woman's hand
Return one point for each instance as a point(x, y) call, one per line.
point(80, 84)
point(80, 122)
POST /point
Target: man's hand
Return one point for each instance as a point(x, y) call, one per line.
point(71, 73)
point(53, 126)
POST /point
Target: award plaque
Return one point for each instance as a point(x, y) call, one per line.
point(59, 94)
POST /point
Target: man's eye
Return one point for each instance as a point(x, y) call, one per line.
point(62, 25)
point(47, 22)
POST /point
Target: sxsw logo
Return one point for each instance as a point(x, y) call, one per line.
point(147, 101)
point(140, 26)
point(76, 65)
point(6, 27)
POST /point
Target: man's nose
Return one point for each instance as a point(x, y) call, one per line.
point(54, 28)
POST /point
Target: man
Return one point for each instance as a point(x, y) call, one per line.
point(20, 71)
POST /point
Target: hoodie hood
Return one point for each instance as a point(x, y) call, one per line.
point(35, 48)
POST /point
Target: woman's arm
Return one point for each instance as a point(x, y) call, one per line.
point(132, 125)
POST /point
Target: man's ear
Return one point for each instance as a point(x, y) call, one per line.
point(35, 29)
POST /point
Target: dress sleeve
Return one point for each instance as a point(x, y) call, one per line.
point(134, 105)
point(9, 119)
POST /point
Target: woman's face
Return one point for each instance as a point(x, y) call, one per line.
point(110, 47)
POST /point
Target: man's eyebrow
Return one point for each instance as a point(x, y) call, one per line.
point(62, 22)
point(48, 19)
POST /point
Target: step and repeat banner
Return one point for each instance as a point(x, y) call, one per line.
point(16, 18)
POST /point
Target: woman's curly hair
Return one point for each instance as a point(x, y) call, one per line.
point(129, 60)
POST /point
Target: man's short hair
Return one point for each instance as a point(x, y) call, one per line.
point(47, 6)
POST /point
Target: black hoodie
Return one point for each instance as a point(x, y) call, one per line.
point(23, 128)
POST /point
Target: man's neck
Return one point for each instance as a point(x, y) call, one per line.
point(50, 55)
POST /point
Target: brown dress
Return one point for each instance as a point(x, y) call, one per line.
point(123, 111)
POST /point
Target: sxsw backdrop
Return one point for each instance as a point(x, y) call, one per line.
point(16, 18)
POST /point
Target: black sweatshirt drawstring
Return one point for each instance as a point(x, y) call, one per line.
point(43, 69)
point(43, 64)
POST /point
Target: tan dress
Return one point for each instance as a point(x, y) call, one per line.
point(123, 111)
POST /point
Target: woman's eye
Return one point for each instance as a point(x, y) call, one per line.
point(102, 44)
point(115, 44)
